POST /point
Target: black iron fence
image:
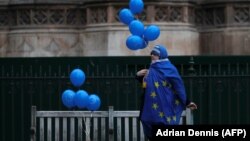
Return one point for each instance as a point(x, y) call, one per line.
point(218, 84)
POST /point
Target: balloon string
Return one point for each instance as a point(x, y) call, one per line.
point(137, 16)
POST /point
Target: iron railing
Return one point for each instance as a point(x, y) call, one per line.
point(218, 84)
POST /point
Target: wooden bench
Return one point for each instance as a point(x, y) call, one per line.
point(87, 126)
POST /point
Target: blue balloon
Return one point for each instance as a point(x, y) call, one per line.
point(68, 98)
point(136, 6)
point(94, 102)
point(136, 27)
point(152, 32)
point(134, 42)
point(81, 99)
point(126, 16)
point(77, 77)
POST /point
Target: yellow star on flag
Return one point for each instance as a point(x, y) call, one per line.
point(157, 84)
point(161, 114)
point(164, 83)
point(174, 118)
point(177, 102)
point(155, 106)
point(153, 95)
point(168, 119)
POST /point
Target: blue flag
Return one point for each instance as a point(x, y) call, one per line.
point(165, 96)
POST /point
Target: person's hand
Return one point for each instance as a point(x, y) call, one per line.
point(192, 106)
point(142, 72)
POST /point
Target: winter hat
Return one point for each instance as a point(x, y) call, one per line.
point(160, 51)
point(155, 52)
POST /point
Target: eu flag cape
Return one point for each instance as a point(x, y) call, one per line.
point(165, 97)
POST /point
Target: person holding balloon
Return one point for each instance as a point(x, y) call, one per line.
point(164, 97)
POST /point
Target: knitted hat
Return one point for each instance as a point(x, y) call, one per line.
point(160, 50)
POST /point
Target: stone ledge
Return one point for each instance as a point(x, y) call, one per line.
point(21, 2)
point(18, 2)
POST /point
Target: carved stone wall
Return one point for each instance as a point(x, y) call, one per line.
point(92, 27)
point(226, 32)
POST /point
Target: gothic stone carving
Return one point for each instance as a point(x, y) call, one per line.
point(78, 16)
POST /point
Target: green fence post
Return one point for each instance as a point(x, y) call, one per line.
point(191, 70)
point(111, 123)
point(33, 123)
point(191, 74)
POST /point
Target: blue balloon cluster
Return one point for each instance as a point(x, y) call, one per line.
point(141, 35)
point(80, 99)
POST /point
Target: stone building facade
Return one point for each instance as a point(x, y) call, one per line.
point(52, 28)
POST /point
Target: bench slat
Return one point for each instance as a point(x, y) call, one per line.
point(126, 113)
point(119, 129)
point(72, 114)
point(41, 129)
point(103, 128)
point(95, 130)
point(126, 129)
point(80, 131)
point(189, 117)
point(134, 128)
point(57, 131)
point(142, 136)
point(87, 129)
point(89, 114)
point(72, 129)
point(181, 121)
point(64, 129)
point(49, 130)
